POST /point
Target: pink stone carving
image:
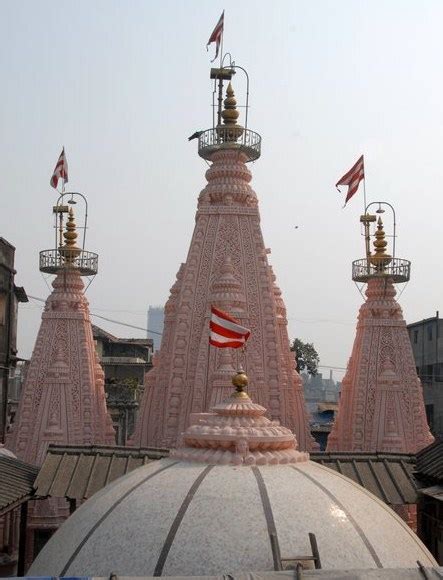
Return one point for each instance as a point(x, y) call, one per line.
point(226, 266)
point(236, 432)
point(63, 398)
point(381, 405)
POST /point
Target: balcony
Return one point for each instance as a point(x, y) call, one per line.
point(398, 270)
point(53, 261)
point(220, 138)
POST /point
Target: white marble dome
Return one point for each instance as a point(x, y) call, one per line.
point(5, 452)
point(181, 518)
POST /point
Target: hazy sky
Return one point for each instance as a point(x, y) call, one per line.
point(122, 84)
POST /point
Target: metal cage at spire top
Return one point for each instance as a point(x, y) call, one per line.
point(226, 133)
point(66, 253)
point(379, 263)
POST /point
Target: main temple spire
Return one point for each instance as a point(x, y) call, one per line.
point(227, 266)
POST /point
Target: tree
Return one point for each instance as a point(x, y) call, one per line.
point(306, 356)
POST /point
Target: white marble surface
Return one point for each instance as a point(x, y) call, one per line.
point(224, 529)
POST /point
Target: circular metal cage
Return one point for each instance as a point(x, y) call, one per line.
point(219, 138)
point(397, 269)
point(52, 261)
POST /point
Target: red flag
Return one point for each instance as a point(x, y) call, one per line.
point(60, 171)
point(352, 178)
point(225, 331)
point(217, 34)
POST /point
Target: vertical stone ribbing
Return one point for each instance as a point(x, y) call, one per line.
point(63, 397)
point(226, 266)
point(381, 404)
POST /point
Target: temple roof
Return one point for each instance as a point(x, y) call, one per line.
point(16, 482)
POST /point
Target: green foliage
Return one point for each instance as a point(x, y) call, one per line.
point(306, 356)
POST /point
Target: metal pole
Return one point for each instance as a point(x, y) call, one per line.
point(220, 100)
point(5, 378)
point(364, 183)
point(22, 539)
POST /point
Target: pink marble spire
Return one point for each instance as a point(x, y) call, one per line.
point(381, 405)
point(63, 398)
point(227, 266)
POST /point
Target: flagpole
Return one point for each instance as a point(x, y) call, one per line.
point(221, 41)
point(364, 184)
point(205, 398)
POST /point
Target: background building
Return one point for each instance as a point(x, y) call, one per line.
point(125, 362)
point(428, 353)
point(156, 320)
point(10, 296)
point(321, 396)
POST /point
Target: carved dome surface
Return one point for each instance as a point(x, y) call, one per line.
point(188, 519)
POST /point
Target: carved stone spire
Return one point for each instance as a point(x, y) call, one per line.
point(63, 397)
point(381, 405)
point(227, 265)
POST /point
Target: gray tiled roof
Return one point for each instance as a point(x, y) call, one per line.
point(78, 472)
point(430, 460)
point(389, 476)
point(16, 482)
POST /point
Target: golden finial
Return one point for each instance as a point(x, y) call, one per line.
point(380, 258)
point(231, 130)
point(230, 113)
point(240, 382)
point(70, 250)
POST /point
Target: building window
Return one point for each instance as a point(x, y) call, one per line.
point(429, 332)
point(415, 336)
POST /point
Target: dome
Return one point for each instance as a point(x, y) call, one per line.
point(6, 452)
point(176, 518)
point(233, 495)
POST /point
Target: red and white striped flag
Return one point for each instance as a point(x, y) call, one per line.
point(225, 331)
point(352, 178)
point(217, 34)
point(60, 171)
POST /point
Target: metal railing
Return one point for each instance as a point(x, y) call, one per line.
point(397, 269)
point(247, 142)
point(52, 261)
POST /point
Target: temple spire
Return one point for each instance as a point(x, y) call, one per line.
point(227, 265)
point(63, 398)
point(381, 405)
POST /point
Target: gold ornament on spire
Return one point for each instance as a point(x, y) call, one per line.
point(240, 382)
point(230, 130)
point(70, 250)
point(380, 259)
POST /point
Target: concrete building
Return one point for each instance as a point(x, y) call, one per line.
point(156, 320)
point(125, 362)
point(427, 346)
point(10, 296)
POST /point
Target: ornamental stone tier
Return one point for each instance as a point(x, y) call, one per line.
point(227, 266)
point(381, 406)
point(63, 398)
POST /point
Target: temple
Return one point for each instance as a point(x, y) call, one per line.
point(227, 267)
point(381, 406)
point(63, 398)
